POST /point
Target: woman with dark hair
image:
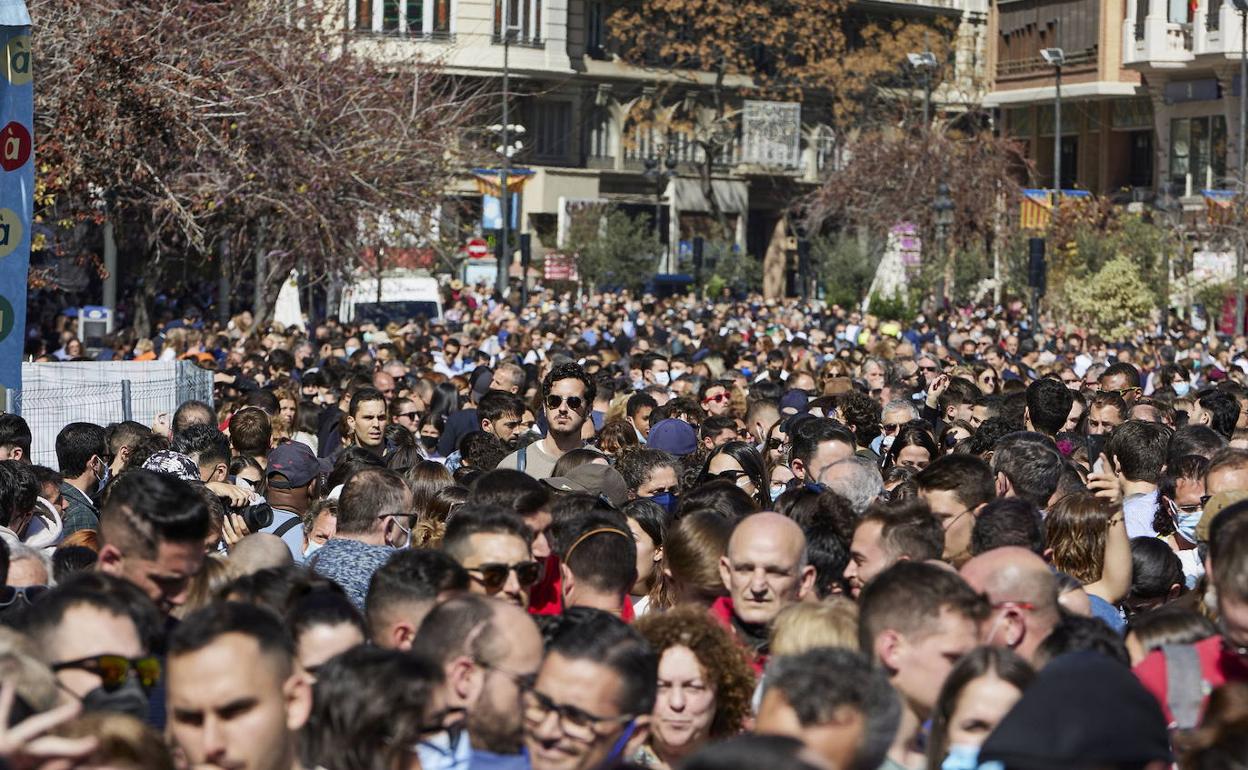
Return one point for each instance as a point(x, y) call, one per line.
point(913, 448)
point(740, 463)
point(1156, 576)
point(445, 401)
point(370, 709)
point(720, 496)
point(982, 687)
point(648, 522)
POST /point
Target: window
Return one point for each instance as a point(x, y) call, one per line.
point(419, 18)
point(1213, 14)
point(1197, 153)
point(596, 30)
point(524, 17)
point(602, 135)
point(552, 127)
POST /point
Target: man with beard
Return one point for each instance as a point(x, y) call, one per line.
point(499, 414)
point(568, 395)
point(490, 652)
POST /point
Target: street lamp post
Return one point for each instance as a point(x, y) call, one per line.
point(926, 61)
point(1171, 211)
point(1056, 57)
point(660, 171)
point(942, 214)
point(506, 149)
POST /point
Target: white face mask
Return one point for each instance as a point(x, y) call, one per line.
point(663, 378)
point(312, 548)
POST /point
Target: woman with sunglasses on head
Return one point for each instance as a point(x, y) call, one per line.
point(740, 463)
point(913, 448)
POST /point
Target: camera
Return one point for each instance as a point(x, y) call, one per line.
point(256, 516)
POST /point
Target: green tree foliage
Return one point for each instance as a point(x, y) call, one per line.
point(846, 266)
point(1115, 301)
point(612, 249)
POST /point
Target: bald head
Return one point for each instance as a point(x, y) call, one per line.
point(1023, 593)
point(259, 551)
point(765, 568)
point(385, 383)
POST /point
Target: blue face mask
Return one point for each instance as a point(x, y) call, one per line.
point(668, 500)
point(1184, 522)
point(1181, 389)
point(961, 757)
point(776, 490)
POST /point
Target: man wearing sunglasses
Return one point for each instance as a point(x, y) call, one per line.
point(495, 547)
point(568, 394)
point(94, 633)
point(152, 532)
point(590, 704)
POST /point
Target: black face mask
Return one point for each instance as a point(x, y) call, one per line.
point(430, 443)
point(127, 699)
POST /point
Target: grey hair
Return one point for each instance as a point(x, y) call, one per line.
point(898, 404)
point(819, 681)
point(861, 486)
point(21, 552)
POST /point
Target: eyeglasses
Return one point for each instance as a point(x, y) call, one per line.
point(891, 428)
point(574, 402)
point(9, 595)
point(946, 523)
point(743, 434)
point(413, 416)
point(493, 576)
point(575, 723)
point(114, 670)
point(730, 475)
point(928, 369)
point(717, 398)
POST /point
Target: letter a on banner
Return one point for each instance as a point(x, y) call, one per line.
point(17, 183)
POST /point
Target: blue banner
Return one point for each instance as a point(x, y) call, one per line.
point(17, 183)
point(492, 211)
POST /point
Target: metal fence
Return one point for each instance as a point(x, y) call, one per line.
point(54, 395)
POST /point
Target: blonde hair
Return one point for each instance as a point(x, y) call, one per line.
point(807, 625)
point(122, 741)
point(20, 664)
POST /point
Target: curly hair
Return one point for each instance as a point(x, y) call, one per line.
point(1075, 529)
point(720, 657)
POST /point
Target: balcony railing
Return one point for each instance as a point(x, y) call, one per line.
point(1034, 63)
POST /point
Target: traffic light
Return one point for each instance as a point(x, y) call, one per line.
point(1036, 265)
point(699, 256)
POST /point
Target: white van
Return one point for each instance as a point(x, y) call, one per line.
point(405, 295)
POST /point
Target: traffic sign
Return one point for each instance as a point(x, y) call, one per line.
point(478, 249)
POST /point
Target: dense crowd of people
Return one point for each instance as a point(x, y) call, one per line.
point(639, 533)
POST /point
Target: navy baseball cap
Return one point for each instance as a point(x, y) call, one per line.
point(296, 462)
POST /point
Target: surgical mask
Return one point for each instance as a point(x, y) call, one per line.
point(312, 548)
point(1184, 522)
point(127, 699)
point(1181, 389)
point(668, 500)
point(104, 479)
point(961, 757)
point(407, 540)
point(887, 442)
point(776, 490)
point(663, 378)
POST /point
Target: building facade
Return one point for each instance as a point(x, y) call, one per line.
point(574, 99)
point(1106, 136)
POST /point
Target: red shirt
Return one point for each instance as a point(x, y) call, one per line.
point(546, 598)
point(722, 611)
point(1218, 665)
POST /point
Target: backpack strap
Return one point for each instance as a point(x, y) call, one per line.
point(1185, 684)
point(287, 526)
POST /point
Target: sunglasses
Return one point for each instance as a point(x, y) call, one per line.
point(574, 402)
point(730, 475)
point(28, 594)
point(413, 416)
point(494, 576)
point(717, 398)
point(114, 670)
